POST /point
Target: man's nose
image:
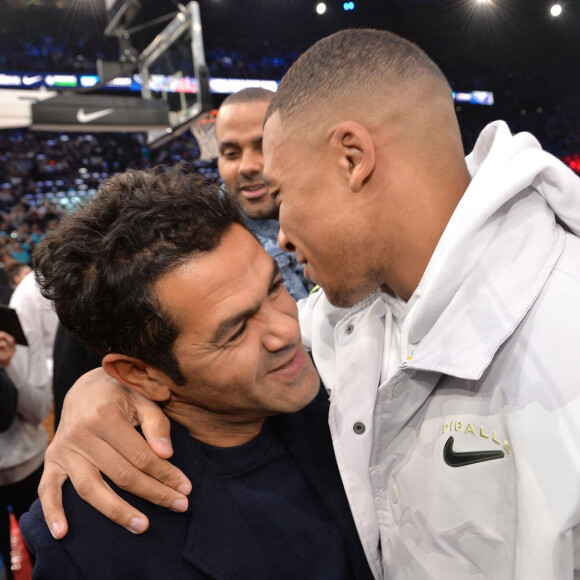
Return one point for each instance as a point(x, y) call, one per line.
point(252, 163)
point(284, 243)
point(282, 329)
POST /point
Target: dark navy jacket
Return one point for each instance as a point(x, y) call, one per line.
point(210, 540)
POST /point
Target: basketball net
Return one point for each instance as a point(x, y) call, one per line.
point(203, 129)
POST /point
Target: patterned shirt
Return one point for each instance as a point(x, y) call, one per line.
point(292, 272)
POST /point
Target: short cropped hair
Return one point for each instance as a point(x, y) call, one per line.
point(348, 65)
point(100, 264)
point(249, 95)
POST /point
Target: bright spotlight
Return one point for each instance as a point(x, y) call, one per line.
point(321, 8)
point(556, 10)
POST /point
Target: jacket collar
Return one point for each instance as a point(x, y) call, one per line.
point(493, 298)
point(494, 257)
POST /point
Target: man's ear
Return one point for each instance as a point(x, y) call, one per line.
point(138, 376)
point(356, 147)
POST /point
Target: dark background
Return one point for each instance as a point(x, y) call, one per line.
point(460, 33)
point(514, 48)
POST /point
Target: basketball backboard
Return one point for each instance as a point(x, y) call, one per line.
point(173, 69)
point(171, 72)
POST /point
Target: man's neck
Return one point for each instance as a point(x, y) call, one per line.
point(217, 429)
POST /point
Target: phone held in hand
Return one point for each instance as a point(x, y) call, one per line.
point(10, 323)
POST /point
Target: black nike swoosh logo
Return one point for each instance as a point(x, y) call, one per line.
point(455, 459)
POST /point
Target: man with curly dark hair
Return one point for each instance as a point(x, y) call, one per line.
point(159, 275)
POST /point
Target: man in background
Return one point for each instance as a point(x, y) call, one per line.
point(239, 128)
point(8, 392)
point(24, 438)
point(36, 313)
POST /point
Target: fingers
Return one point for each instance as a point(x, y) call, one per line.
point(91, 486)
point(7, 338)
point(96, 434)
point(50, 494)
point(134, 466)
point(154, 425)
point(145, 455)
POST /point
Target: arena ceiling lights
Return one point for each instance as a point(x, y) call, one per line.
point(555, 9)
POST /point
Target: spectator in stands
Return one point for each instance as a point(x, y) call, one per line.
point(36, 315)
point(8, 392)
point(212, 335)
point(11, 274)
point(23, 444)
point(239, 127)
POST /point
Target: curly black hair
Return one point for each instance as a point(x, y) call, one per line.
point(100, 264)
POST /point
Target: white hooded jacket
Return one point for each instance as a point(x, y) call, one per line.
point(470, 447)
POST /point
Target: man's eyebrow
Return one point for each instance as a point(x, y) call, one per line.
point(223, 144)
point(256, 141)
point(225, 326)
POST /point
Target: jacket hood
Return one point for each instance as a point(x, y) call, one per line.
point(500, 236)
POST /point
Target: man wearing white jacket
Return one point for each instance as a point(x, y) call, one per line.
point(447, 330)
point(475, 464)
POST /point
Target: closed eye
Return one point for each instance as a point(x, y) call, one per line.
point(221, 335)
point(240, 332)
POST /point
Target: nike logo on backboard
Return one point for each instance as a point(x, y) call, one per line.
point(83, 117)
point(26, 80)
point(456, 459)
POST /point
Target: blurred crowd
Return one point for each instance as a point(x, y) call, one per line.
point(43, 175)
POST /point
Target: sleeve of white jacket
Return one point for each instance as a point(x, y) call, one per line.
point(28, 372)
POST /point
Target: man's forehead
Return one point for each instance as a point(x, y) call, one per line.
point(274, 138)
point(273, 127)
point(244, 112)
point(238, 129)
point(227, 270)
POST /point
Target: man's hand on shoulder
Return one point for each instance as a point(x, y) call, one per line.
point(96, 434)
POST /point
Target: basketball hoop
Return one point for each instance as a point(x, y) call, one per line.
point(203, 129)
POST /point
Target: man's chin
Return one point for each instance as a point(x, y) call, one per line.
point(259, 211)
point(340, 297)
